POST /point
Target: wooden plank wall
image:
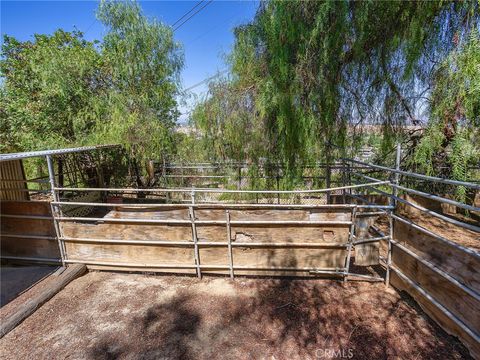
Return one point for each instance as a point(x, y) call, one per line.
point(33, 237)
point(13, 171)
point(447, 274)
point(265, 256)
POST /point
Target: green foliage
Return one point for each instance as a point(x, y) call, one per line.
point(310, 81)
point(47, 91)
point(452, 141)
point(61, 90)
point(229, 128)
point(310, 75)
point(143, 71)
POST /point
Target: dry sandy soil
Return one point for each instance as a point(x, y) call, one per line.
point(135, 316)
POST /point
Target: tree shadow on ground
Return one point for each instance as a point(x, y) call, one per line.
point(282, 318)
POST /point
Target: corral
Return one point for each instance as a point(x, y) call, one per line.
point(307, 268)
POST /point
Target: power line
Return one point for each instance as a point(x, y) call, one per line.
point(188, 12)
point(206, 80)
point(196, 12)
point(88, 29)
point(211, 29)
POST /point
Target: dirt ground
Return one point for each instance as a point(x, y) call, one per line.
point(134, 316)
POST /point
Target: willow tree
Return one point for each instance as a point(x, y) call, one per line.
point(451, 143)
point(318, 71)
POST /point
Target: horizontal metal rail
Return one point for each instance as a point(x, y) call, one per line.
point(375, 213)
point(30, 217)
point(30, 154)
point(207, 267)
point(226, 191)
point(209, 206)
point(429, 212)
point(202, 166)
point(438, 198)
point(439, 306)
point(425, 195)
point(326, 271)
point(32, 259)
point(365, 176)
point(349, 274)
point(223, 206)
point(440, 216)
point(203, 222)
point(193, 176)
point(17, 236)
point(418, 176)
point(438, 271)
point(369, 240)
point(204, 243)
point(438, 237)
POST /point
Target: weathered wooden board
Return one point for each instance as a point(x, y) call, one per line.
point(278, 233)
point(27, 247)
point(366, 254)
point(458, 301)
point(214, 255)
point(42, 227)
point(130, 231)
point(41, 208)
point(179, 255)
point(13, 189)
point(450, 326)
point(461, 265)
point(32, 245)
point(292, 258)
point(151, 270)
point(267, 273)
point(235, 214)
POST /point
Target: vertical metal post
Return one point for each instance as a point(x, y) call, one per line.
point(393, 202)
point(397, 175)
point(239, 185)
point(328, 180)
point(278, 186)
point(192, 195)
point(55, 208)
point(183, 178)
point(350, 243)
point(195, 242)
point(344, 182)
point(229, 241)
point(165, 181)
point(349, 178)
point(389, 249)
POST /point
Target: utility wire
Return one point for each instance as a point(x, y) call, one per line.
point(188, 18)
point(206, 80)
point(210, 30)
point(188, 12)
point(88, 29)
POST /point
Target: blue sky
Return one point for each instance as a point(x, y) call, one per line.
point(206, 37)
